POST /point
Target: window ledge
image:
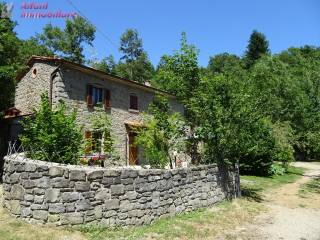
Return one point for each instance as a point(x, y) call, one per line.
point(133, 111)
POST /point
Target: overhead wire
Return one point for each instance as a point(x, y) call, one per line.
point(98, 29)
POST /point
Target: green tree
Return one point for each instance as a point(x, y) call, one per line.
point(179, 74)
point(140, 70)
point(224, 63)
point(52, 135)
point(134, 63)
point(107, 65)
point(31, 47)
point(231, 129)
point(7, 87)
point(9, 45)
point(303, 66)
point(130, 45)
point(257, 47)
point(70, 41)
point(163, 134)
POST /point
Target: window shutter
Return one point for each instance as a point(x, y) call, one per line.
point(89, 96)
point(107, 101)
point(133, 102)
point(88, 137)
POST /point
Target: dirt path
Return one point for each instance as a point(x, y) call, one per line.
point(290, 217)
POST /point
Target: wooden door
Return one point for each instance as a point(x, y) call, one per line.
point(133, 150)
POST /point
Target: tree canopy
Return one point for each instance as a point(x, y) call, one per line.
point(70, 41)
point(257, 47)
point(134, 63)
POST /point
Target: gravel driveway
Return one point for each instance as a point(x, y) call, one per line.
point(290, 217)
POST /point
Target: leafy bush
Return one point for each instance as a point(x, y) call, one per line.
point(52, 135)
point(101, 123)
point(276, 170)
point(162, 135)
point(284, 140)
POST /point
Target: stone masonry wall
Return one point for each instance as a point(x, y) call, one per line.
point(30, 87)
point(68, 195)
point(71, 87)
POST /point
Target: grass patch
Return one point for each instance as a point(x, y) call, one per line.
point(12, 228)
point(302, 205)
point(311, 187)
point(253, 186)
point(193, 225)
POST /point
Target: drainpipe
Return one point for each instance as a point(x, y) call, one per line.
point(52, 76)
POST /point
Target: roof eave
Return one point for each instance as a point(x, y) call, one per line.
point(93, 71)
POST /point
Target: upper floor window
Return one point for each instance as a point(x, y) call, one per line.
point(96, 95)
point(133, 102)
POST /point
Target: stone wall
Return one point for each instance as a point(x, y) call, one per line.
point(63, 194)
point(31, 86)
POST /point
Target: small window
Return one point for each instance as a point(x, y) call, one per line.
point(133, 102)
point(96, 95)
point(93, 141)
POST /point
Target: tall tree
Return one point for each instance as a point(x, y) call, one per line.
point(13, 55)
point(134, 63)
point(9, 44)
point(70, 41)
point(130, 45)
point(180, 74)
point(303, 66)
point(257, 47)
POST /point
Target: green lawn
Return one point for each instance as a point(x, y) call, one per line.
point(311, 187)
point(194, 225)
point(253, 186)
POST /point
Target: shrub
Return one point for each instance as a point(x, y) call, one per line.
point(269, 143)
point(162, 135)
point(102, 139)
point(52, 135)
point(283, 150)
point(276, 169)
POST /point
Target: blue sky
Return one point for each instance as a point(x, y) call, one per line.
point(213, 26)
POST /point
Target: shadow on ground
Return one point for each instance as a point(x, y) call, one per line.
point(252, 193)
point(313, 185)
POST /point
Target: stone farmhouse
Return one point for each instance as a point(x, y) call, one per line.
point(86, 89)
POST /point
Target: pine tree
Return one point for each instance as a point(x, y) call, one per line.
point(257, 47)
point(134, 64)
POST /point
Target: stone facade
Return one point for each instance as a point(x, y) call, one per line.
point(31, 86)
point(70, 85)
point(68, 195)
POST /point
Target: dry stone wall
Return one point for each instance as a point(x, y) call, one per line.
point(68, 195)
